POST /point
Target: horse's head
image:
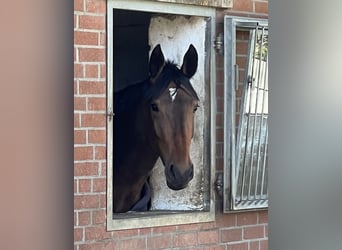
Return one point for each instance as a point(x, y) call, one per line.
point(172, 104)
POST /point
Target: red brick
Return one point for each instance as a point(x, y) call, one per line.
point(266, 230)
point(166, 229)
point(207, 225)
point(97, 233)
point(254, 245)
point(78, 234)
point(76, 120)
point(96, 6)
point(248, 218)
point(103, 71)
point(145, 231)
point(83, 153)
point(219, 134)
point(92, 22)
point(112, 245)
point(228, 235)
point(91, 71)
point(96, 103)
point(79, 103)
point(75, 55)
point(99, 185)
point(185, 239)
point(241, 48)
point(85, 38)
point(213, 248)
point(159, 242)
point(86, 201)
point(219, 164)
point(78, 5)
point(220, 90)
point(103, 200)
point(97, 136)
point(93, 120)
point(75, 21)
point(92, 55)
point(132, 244)
point(92, 87)
point(78, 70)
point(226, 220)
point(243, 5)
point(220, 104)
point(241, 61)
point(75, 87)
point(104, 169)
point(253, 232)
point(75, 186)
point(208, 237)
point(238, 246)
point(242, 35)
point(100, 153)
point(261, 7)
point(189, 227)
point(86, 169)
point(99, 216)
point(125, 233)
point(92, 246)
point(219, 77)
point(263, 217)
point(84, 185)
point(79, 136)
point(84, 218)
point(103, 39)
point(264, 245)
point(219, 119)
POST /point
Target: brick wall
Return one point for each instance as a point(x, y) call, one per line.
point(244, 231)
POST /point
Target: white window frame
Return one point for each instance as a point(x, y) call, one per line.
point(151, 218)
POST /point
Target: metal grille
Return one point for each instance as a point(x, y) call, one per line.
point(250, 180)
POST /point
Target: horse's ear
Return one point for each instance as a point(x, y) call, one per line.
point(190, 62)
point(157, 62)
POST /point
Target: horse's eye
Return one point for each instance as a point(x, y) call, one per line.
point(154, 107)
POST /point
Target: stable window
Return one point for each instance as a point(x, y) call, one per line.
point(246, 114)
point(135, 28)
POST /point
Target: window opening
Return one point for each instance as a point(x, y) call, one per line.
point(134, 30)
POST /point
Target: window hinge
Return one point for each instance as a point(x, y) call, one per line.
point(218, 44)
point(110, 114)
point(219, 184)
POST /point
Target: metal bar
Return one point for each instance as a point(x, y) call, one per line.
point(262, 114)
point(265, 159)
point(250, 84)
point(254, 124)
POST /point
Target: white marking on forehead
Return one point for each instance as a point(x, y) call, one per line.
point(173, 93)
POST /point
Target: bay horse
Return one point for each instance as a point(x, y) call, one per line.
point(154, 118)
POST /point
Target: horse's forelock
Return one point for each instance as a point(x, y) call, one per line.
point(169, 73)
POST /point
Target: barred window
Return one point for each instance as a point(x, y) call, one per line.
point(246, 116)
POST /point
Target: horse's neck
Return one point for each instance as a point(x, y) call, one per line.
point(135, 138)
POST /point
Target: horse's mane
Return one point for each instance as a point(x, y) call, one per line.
point(129, 97)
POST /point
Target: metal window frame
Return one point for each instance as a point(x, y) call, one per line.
point(152, 219)
point(231, 25)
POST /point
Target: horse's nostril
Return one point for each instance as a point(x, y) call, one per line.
point(173, 171)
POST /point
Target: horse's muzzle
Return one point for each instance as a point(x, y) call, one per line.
point(177, 180)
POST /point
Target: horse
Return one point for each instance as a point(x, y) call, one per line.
point(154, 118)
